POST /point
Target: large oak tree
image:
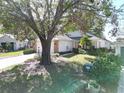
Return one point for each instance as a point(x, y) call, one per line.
point(49, 17)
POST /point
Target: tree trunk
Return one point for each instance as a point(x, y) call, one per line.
point(46, 57)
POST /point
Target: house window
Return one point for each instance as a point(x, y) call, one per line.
point(3, 45)
point(67, 48)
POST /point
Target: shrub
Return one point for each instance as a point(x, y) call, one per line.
point(106, 69)
point(93, 84)
point(61, 53)
point(97, 52)
point(22, 48)
point(75, 50)
point(81, 51)
point(29, 51)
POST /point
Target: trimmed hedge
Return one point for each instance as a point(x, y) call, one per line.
point(97, 51)
point(75, 50)
point(79, 51)
point(29, 51)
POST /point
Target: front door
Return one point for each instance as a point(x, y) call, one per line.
point(3, 45)
point(56, 46)
point(12, 46)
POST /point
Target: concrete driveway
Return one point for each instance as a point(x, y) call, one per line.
point(11, 61)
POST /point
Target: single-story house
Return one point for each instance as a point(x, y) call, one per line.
point(66, 43)
point(60, 44)
point(8, 42)
point(7, 39)
point(96, 41)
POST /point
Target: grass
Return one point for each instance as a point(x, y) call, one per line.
point(9, 54)
point(56, 78)
point(79, 58)
point(53, 79)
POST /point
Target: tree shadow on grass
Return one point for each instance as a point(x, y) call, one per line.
point(32, 78)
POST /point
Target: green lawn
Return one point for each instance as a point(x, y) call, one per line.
point(79, 58)
point(56, 78)
point(50, 79)
point(16, 53)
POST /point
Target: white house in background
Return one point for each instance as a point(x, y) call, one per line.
point(119, 46)
point(96, 41)
point(101, 43)
point(9, 39)
point(60, 43)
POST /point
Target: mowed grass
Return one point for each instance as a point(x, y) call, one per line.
point(9, 54)
point(79, 58)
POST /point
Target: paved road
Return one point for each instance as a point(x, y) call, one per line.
point(8, 62)
point(121, 82)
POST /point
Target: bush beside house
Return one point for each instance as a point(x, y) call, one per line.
point(29, 51)
point(106, 71)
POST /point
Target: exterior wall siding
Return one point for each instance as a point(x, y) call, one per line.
point(9, 39)
point(64, 46)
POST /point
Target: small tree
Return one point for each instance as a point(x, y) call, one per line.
point(49, 17)
point(85, 41)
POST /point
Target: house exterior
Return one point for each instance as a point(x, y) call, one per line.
point(60, 44)
point(101, 42)
point(8, 40)
point(96, 41)
point(66, 43)
point(119, 44)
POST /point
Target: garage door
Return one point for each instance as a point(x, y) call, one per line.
point(122, 54)
point(122, 51)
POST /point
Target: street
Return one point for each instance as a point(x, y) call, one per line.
point(11, 61)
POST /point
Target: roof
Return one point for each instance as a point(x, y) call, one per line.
point(75, 34)
point(7, 38)
point(76, 38)
point(62, 37)
point(11, 36)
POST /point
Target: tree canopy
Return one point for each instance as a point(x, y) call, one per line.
point(47, 18)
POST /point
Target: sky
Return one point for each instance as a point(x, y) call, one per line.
point(108, 27)
point(118, 3)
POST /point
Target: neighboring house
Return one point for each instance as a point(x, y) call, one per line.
point(60, 44)
point(7, 41)
point(119, 46)
point(96, 41)
point(101, 43)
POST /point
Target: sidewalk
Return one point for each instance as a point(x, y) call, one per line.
point(12, 61)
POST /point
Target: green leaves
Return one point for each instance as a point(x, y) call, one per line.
point(106, 69)
point(92, 1)
point(85, 40)
point(70, 27)
point(106, 7)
